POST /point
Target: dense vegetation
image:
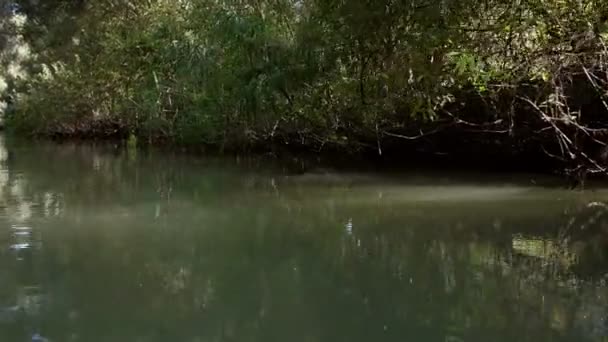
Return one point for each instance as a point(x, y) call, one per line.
point(522, 78)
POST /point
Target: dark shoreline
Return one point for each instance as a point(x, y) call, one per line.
point(302, 159)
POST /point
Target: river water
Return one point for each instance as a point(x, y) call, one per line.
point(102, 244)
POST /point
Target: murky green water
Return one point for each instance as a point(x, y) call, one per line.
point(101, 245)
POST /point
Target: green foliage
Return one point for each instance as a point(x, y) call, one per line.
point(237, 73)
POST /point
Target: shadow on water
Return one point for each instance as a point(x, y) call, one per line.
point(96, 245)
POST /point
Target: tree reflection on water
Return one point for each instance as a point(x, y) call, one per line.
point(101, 247)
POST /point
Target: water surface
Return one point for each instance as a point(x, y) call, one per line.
point(101, 244)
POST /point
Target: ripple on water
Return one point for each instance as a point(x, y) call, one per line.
point(21, 238)
point(20, 228)
point(20, 246)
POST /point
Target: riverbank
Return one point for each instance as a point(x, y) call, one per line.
point(444, 143)
point(302, 160)
point(458, 83)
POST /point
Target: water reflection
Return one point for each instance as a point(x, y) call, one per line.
point(98, 246)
